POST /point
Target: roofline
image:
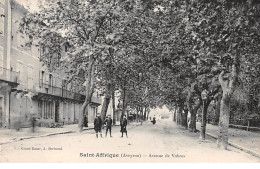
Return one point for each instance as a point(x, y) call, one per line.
point(14, 3)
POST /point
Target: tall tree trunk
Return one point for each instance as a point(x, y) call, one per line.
point(217, 111)
point(125, 104)
point(228, 89)
point(89, 92)
point(182, 119)
point(142, 113)
point(124, 98)
point(182, 115)
point(123, 108)
point(148, 112)
point(192, 109)
point(137, 113)
point(105, 107)
point(106, 101)
point(189, 106)
point(114, 107)
point(185, 119)
point(224, 122)
point(193, 112)
point(174, 113)
point(145, 109)
point(193, 120)
point(179, 115)
point(192, 126)
point(204, 120)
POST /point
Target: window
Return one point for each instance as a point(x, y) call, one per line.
point(50, 80)
point(45, 109)
point(40, 108)
point(50, 59)
point(1, 59)
point(2, 21)
point(64, 84)
point(58, 60)
point(51, 110)
point(41, 76)
point(46, 79)
point(53, 80)
point(56, 81)
point(19, 68)
point(94, 111)
point(64, 88)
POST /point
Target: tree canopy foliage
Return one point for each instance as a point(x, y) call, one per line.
point(157, 52)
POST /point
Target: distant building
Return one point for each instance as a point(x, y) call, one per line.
point(27, 88)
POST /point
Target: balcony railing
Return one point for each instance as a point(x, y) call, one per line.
point(95, 100)
point(9, 75)
point(57, 91)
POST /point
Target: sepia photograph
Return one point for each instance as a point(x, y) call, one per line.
point(129, 81)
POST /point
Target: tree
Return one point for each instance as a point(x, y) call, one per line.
point(156, 52)
point(82, 25)
point(226, 46)
point(196, 101)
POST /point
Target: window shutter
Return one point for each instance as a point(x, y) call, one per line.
point(46, 78)
point(40, 78)
point(1, 59)
point(30, 77)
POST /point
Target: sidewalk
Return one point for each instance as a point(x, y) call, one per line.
point(245, 140)
point(10, 135)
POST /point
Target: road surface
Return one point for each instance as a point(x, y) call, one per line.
point(163, 142)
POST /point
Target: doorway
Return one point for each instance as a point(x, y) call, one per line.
point(1, 111)
point(57, 106)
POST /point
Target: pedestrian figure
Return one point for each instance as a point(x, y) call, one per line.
point(98, 125)
point(184, 117)
point(85, 120)
point(123, 124)
point(108, 123)
point(154, 120)
point(33, 121)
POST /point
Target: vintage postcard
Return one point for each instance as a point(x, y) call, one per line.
point(129, 81)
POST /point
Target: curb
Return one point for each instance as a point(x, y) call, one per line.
point(238, 146)
point(45, 135)
point(31, 137)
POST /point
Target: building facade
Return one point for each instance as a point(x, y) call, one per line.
point(27, 88)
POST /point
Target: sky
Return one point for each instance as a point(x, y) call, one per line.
point(159, 111)
point(29, 3)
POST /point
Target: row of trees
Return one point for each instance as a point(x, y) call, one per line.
point(156, 52)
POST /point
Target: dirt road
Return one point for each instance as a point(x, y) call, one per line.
point(162, 142)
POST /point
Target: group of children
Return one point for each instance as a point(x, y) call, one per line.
point(98, 123)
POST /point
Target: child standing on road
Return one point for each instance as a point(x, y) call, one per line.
point(123, 126)
point(108, 123)
point(98, 125)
